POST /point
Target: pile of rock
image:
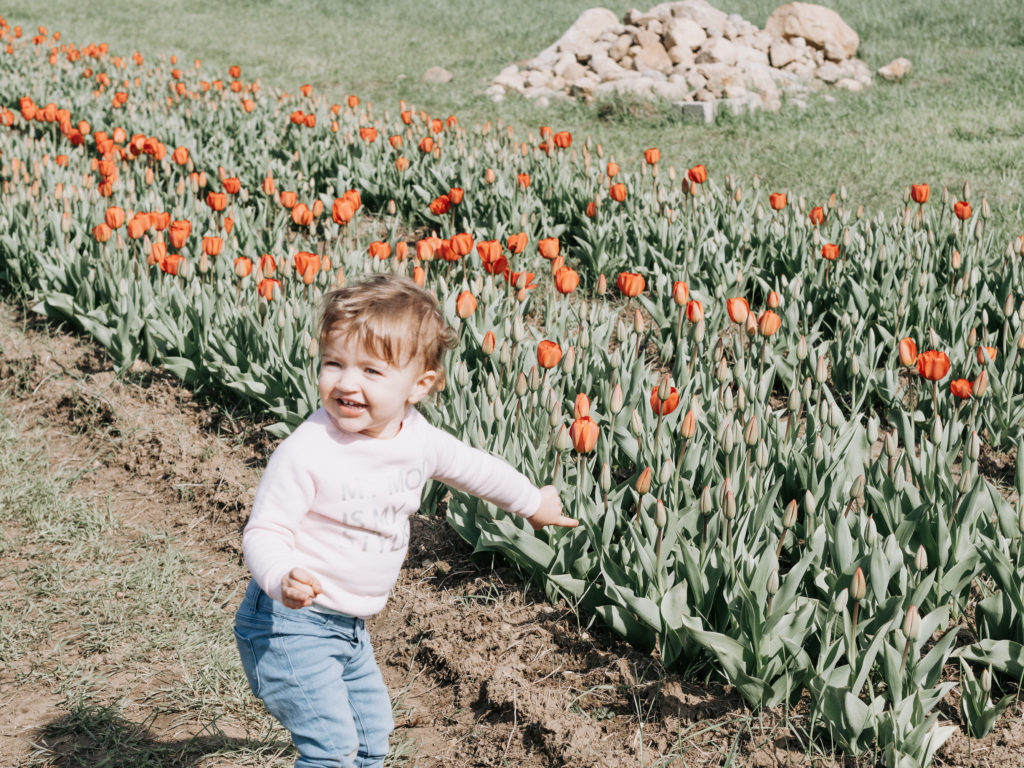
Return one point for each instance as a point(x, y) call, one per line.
point(695, 55)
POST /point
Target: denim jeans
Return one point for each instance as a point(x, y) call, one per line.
point(316, 674)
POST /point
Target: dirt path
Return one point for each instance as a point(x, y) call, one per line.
point(130, 658)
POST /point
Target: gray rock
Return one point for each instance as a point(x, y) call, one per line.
point(701, 111)
point(437, 75)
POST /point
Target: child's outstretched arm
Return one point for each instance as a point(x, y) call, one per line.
point(550, 511)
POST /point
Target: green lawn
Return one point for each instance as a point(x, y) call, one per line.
point(959, 117)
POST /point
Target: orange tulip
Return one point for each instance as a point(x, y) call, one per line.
point(342, 210)
point(521, 280)
point(180, 155)
point(489, 250)
point(548, 354)
point(218, 201)
point(618, 192)
point(440, 205)
point(114, 217)
point(212, 245)
point(933, 365)
point(426, 145)
point(694, 311)
point(465, 304)
point(137, 226)
point(368, 134)
point(517, 243)
point(488, 344)
point(962, 209)
point(548, 247)
point(455, 195)
point(919, 193)
point(289, 198)
point(817, 215)
point(584, 433)
point(101, 233)
point(680, 293)
point(961, 388)
point(302, 216)
point(232, 185)
point(566, 280)
point(269, 288)
point(235, 71)
point(462, 243)
point(178, 233)
point(652, 155)
point(591, 209)
point(268, 265)
point(306, 262)
point(173, 263)
point(768, 323)
point(581, 406)
point(664, 407)
point(523, 180)
point(698, 174)
point(402, 164)
point(777, 200)
point(612, 170)
point(419, 276)
point(563, 139)
point(830, 251)
point(353, 101)
point(908, 352)
point(380, 250)
point(243, 266)
point(985, 354)
point(630, 283)
point(738, 309)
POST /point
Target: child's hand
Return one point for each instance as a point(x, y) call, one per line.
point(299, 588)
point(550, 511)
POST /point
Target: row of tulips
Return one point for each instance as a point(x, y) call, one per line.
point(730, 393)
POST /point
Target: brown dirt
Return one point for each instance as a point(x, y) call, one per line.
point(485, 672)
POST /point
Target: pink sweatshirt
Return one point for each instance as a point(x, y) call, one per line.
point(338, 505)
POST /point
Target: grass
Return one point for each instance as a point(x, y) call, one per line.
point(959, 116)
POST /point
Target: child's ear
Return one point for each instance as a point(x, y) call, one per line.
point(422, 386)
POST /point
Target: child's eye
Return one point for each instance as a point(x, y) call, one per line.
point(372, 371)
point(329, 364)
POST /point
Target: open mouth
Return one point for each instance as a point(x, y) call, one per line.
point(350, 407)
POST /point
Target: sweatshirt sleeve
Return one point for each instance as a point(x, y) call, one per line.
point(482, 474)
point(284, 496)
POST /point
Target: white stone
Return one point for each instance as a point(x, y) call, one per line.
point(584, 31)
point(671, 91)
point(495, 90)
point(717, 50)
point(513, 80)
point(781, 53)
point(820, 26)
point(573, 72)
point(618, 49)
point(538, 78)
point(652, 55)
point(895, 70)
point(828, 73)
point(711, 19)
point(745, 55)
point(685, 33)
point(855, 86)
point(681, 56)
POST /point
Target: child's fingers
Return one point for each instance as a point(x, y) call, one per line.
point(566, 522)
point(305, 577)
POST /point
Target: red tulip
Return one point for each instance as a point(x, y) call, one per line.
point(618, 192)
point(961, 388)
point(694, 311)
point(455, 195)
point(269, 288)
point(652, 155)
point(777, 200)
point(698, 174)
point(908, 352)
point(562, 139)
point(830, 251)
point(919, 193)
point(630, 284)
point(962, 209)
point(817, 215)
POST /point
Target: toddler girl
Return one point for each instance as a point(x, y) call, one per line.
point(329, 527)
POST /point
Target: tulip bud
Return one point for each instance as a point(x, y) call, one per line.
point(806, 388)
point(667, 470)
point(1008, 306)
point(794, 400)
point(562, 439)
point(706, 503)
point(872, 429)
point(921, 559)
point(741, 403)
point(966, 480)
point(518, 330)
point(461, 375)
point(821, 370)
point(739, 369)
point(857, 488)
point(534, 379)
point(936, 433)
point(549, 399)
point(491, 387)
point(761, 456)
point(858, 586)
point(605, 481)
point(728, 500)
point(664, 388)
point(660, 517)
point(638, 321)
point(313, 349)
point(835, 417)
point(521, 384)
point(841, 599)
point(801, 348)
point(643, 482)
point(602, 285)
point(973, 446)
point(568, 360)
point(986, 680)
point(727, 401)
point(980, 385)
point(728, 441)
point(584, 341)
point(773, 582)
point(912, 623)
point(488, 343)
point(505, 355)
point(636, 424)
point(615, 403)
point(689, 425)
point(621, 332)
point(750, 431)
point(870, 531)
point(789, 515)
point(891, 444)
point(699, 330)
point(722, 372)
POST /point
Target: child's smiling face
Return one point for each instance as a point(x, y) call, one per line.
point(365, 394)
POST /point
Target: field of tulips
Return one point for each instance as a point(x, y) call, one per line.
point(768, 413)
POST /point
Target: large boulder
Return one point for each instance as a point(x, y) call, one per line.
point(587, 28)
point(820, 26)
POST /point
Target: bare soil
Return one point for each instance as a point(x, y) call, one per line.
point(484, 671)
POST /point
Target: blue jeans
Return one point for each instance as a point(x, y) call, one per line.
point(316, 674)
